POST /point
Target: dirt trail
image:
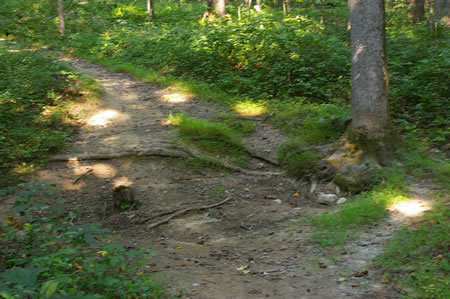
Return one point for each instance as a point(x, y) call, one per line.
point(249, 247)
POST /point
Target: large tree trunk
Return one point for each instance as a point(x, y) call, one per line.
point(369, 102)
point(215, 8)
point(416, 10)
point(370, 136)
point(220, 7)
point(61, 26)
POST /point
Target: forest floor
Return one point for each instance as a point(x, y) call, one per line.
point(252, 246)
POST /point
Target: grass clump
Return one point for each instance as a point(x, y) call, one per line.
point(212, 137)
point(295, 159)
point(418, 256)
point(310, 124)
point(49, 255)
point(317, 124)
point(35, 92)
point(336, 227)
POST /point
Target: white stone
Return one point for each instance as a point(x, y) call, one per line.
point(327, 199)
point(341, 200)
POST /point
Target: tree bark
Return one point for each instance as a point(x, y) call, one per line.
point(61, 26)
point(220, 7)
point(150, 10)
point(416, 10)
point(286, 7)
point(215, 8)
point(369, 100)
point(442, 12)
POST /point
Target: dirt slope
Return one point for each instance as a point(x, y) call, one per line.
point(250, 247)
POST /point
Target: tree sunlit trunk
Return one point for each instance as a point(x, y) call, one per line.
point(369, 100)
point(416, 10)
point(61, 25)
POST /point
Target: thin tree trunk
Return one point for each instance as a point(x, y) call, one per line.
point(61, 25)
point(150, 10)
point(416, 10)
point(286, 7)
point(249, 3)
point(369, 101)
point(239, 10)
point(442, 12)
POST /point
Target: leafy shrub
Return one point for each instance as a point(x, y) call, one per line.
point(46, 255)
point(419, 256)
point(34, 91)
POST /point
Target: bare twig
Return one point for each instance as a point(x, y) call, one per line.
point(104, 211)
point(82, 175)
point(181, 212)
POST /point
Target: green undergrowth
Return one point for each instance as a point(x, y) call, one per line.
point(46, 253)
point(212, 137)
point(307, 124)
point(418, 257)
point(35, 95)
point(337, 226)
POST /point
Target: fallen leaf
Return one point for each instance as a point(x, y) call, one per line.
point(102, 252)
point(10, 219)
point(296, 194)
point(181, 265)
point(78, 266)
point(242, 268)
point(179, 247)
point(283, 249)
point(274, 211)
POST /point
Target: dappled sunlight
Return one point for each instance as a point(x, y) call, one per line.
point(103, 170)
point(411, 207)
point(105, 117)
point(249, 108)
point(171, 120)
point(176, 98)
point(122, 181)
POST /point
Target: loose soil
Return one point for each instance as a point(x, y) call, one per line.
point(250, 247)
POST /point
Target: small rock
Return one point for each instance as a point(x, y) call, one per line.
point(327, 199)
point(277, 200)
point(341, 200)
point(195, 284)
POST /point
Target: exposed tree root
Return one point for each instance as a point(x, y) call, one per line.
point(225, 164)
point(258, 155)
point(177, 213)
point(163, 150)
point(154, 150)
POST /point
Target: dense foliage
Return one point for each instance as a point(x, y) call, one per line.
point(293, 70)
point(34, 91)
point(269, 57)
point(45, 255)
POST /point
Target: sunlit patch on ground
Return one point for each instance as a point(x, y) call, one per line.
point(171, 120)
point(122, 181)
point(176, 98)
point(411, 207)
point(103, 170)
point(248, 108)
point(104, 118)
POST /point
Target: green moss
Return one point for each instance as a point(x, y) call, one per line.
point(212, 137)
